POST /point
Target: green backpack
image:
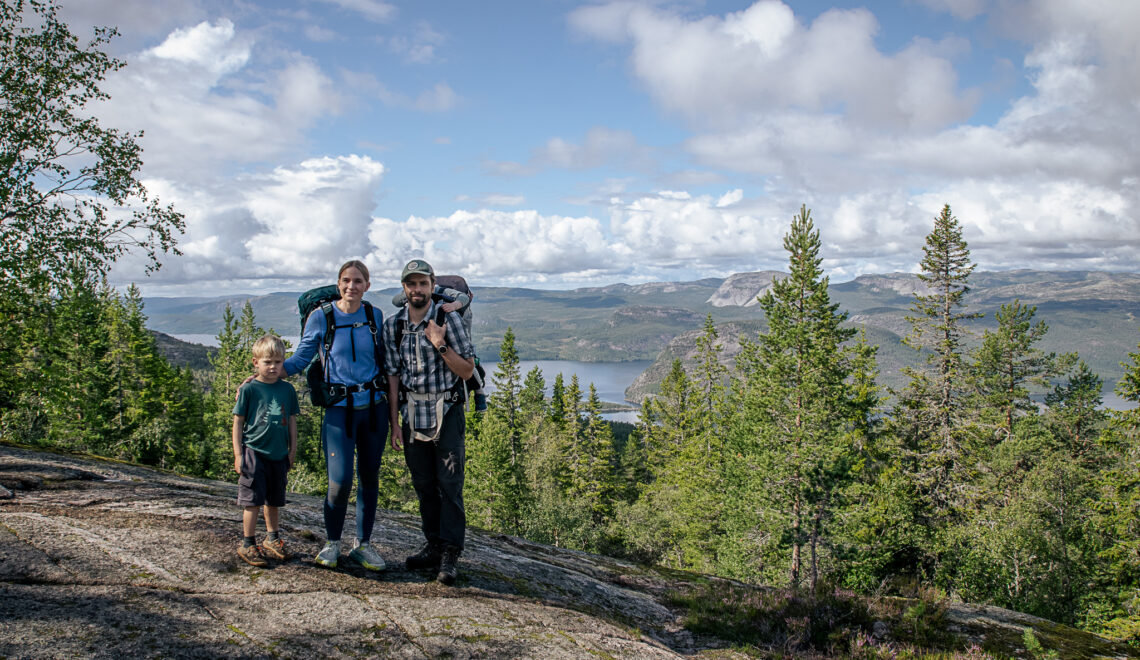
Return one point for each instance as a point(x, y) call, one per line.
point(321, 392)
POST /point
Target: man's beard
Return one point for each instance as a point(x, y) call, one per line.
point(419, 302)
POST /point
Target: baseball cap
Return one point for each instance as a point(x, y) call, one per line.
point(417, 267)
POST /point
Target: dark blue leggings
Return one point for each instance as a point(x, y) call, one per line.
point(340, 447)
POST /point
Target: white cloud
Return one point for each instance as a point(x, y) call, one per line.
point(726, 71)
point(319, 34)
point(495, 245)
point(730, 198)
point(201, 104)
point(208, 48)
point(601, 147)
point(293, 223)
point(439, 98)
point(503, 200)
point(785, 111)
point(420, 46)
point(133, 18)
point(962, 9)
point(373, 10)
point(876, 141)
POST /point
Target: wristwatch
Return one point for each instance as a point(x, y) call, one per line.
point(442, 349)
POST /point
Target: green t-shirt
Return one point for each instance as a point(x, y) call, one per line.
point(266, 408)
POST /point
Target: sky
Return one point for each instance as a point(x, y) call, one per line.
point(561, 144)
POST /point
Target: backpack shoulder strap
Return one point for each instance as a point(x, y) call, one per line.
point(330, 326)
point(377, 342)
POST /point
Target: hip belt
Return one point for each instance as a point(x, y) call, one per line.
point(441, 401)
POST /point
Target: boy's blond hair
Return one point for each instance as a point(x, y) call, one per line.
point(269, 345)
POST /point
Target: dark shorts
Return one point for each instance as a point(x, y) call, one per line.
point(262, 480)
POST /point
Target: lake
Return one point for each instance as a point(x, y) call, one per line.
point(609, 378)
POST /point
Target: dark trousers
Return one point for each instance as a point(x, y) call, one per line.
point(437, 475)
point(341, 446)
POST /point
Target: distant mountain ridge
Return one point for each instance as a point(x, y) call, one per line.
point(1092, 312)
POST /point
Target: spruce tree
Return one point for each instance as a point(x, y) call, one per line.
point(232, 364)
point(597, 487)
point(670, 419)
point(1008, 363)
point(66, 376)
point(1119, 509)
point(1075, 414)
point(711, 374)
point(937, 317)
point(932, 420)
point(496, 485)
point(677, 518)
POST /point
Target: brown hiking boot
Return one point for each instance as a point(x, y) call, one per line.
point(252, 555)
point(276, 549)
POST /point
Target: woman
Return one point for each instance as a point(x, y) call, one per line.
point(356, 425)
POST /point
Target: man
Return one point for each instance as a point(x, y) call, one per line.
point(429, 362)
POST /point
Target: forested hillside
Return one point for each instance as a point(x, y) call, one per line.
point(656, 321)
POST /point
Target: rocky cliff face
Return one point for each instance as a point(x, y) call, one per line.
point(101, 559)
point(743, 289)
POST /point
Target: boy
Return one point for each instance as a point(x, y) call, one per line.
point(265, 444)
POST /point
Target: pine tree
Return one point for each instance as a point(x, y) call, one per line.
point(798, 405)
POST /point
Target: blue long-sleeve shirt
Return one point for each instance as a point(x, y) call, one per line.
point(352, 359)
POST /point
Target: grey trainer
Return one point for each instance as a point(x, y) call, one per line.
point(366, 556)
point(329, 554)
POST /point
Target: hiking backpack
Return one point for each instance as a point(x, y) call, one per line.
point(458, 283)
point(321, 392)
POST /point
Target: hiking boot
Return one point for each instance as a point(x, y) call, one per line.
point(448, 570)
point(428, 557)
point(480, 402)
point(328, 555)
point(276, 549)
point(251, 554)
point(366, 556)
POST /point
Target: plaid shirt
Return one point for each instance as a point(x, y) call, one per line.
point(419, 366)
